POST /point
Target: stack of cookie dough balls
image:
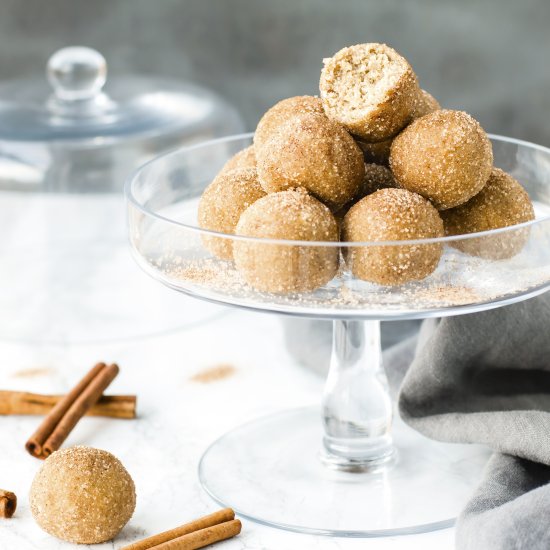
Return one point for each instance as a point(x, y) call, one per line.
point(307, 166)
point(373, 159)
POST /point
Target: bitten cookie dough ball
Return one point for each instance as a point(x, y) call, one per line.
point(501, 203)
point(444, 156)
point(222, 204)
point(82, 495)
point(289, 215)
point(392, 215)
point(379, 152)
point(283, 111)
point(370, 89)
point(313, 152)
point(243, 159)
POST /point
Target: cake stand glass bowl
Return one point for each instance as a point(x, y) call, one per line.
point(344, 469)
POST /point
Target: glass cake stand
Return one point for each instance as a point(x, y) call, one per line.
point(347, 468)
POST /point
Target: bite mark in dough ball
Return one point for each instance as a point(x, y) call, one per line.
point(370, 89)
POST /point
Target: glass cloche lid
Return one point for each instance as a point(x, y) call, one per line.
point(68, 143)
point(79, 131)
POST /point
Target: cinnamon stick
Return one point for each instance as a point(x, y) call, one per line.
point(8, 504)
point(56, 427)
point(204, 537)
point(25, 403)
point(202, 525)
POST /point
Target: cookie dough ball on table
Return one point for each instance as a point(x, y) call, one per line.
point(392, 215)
point(279, 268)
point(246, 158)
point(445, 156)
point(370, 89)
point(222, 204)
point(313, 152)
point(501, 203)
point(283, 111)
point(82, 495)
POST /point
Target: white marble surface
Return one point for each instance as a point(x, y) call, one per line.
point(67, 274)
point(177, 420)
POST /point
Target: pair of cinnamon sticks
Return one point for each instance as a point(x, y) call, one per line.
point(26, 403)
point(65, 415)
point(196, 534)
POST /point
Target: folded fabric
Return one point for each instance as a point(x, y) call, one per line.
point(485, 378)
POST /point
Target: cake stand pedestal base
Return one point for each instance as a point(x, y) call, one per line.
point(271, 471)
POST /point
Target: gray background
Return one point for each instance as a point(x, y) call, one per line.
point(489, 57)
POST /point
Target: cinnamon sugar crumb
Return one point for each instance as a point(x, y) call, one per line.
point(214, 374)
point(32, 372)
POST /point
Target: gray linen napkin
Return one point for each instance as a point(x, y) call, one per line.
point(485, 378)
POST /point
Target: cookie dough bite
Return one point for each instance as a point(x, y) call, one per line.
point(392, 215)
point(377, 153)
point(445, 156)
point(376, 177)
point(82, 495)
point(501, 203)
point(246, 158)
point(370, 89)
point(281, 268)
point(313, 152)
point(283, 111)
point(222, 203)
point(425, 104)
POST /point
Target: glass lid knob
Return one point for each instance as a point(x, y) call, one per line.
point(77, 73)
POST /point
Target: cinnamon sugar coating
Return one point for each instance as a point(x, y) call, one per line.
point(425, 104)
point(379, 152)
point(370, 89)
point(392, 215)
point(283, 111)
point(376, 177)
point(280, 268)
point(82, 495)
point(246, 158)
point(313, 152)
point(501, 203)
point(444, 156)
point(222, 203)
